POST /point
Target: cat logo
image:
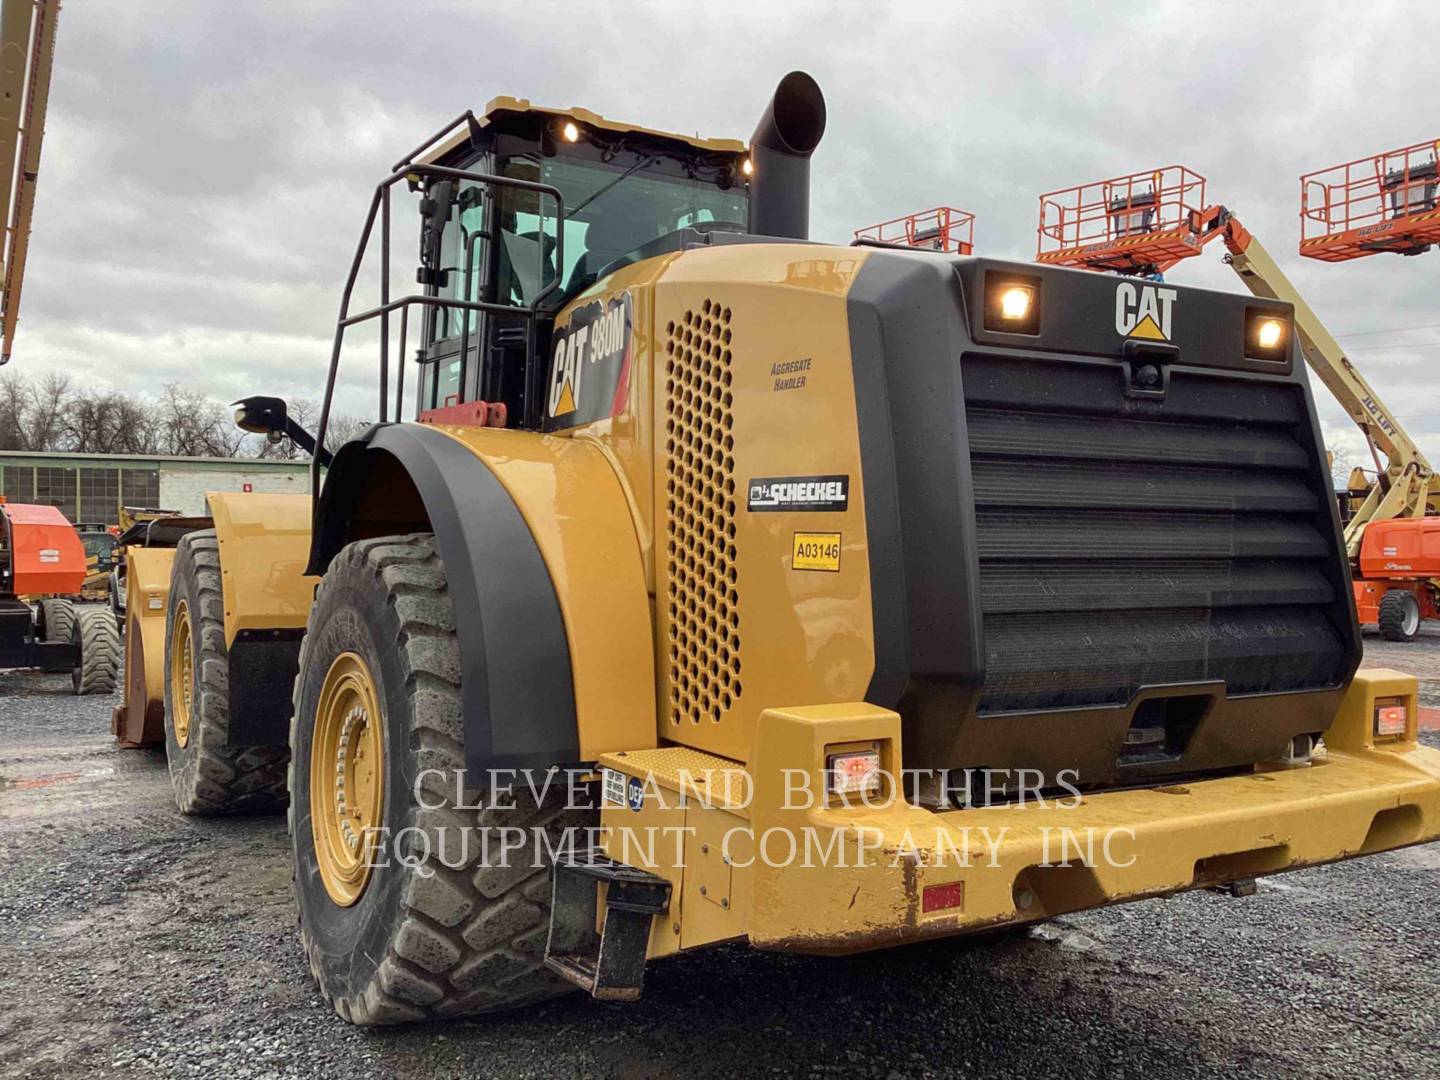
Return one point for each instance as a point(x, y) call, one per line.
point(590, 369)
point(1143, 311)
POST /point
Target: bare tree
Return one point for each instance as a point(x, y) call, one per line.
point(14, 411)
point(197, 426)
point(50, 415)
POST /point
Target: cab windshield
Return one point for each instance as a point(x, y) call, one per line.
point(610, 210)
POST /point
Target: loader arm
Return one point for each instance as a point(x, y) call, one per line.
point(1405, 483)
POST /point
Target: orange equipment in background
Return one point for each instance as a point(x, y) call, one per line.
point(1142, 223)
point(1146, 222)
point(1387, 202)
point(943, 228)
point(43, 554)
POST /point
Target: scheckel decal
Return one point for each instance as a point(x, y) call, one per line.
point(799, 493)
point(590, 365)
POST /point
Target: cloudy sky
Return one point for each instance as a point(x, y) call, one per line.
point(207, 162)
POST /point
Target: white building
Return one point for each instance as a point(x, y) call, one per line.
point(93, 487)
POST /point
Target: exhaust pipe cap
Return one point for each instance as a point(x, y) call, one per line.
point(796, 117)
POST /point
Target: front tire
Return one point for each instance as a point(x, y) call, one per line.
point(463, 931)
point(1399, 615)
point(209, 776)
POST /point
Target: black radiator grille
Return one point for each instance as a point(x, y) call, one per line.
point(1126, 543)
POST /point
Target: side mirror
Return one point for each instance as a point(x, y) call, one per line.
point(268, 416)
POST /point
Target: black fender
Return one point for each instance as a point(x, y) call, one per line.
point(517, 692)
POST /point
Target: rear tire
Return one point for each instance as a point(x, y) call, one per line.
point(1399, 615)
point(463, 933)
point(59, 618)
point(98, 639)
point(209, 775)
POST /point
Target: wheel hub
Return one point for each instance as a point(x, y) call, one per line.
point(182, 674)
point(346, 778)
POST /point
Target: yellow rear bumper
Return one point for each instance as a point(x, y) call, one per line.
point(748, 860)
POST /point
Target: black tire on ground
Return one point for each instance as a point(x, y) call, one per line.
point(98, 639)
point(1399, 615)
point(58, 616)
point(445, 940)
point(208, 775)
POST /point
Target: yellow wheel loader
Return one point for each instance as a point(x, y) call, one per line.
point(730, 587)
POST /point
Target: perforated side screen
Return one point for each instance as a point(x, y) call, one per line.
point(701, 580)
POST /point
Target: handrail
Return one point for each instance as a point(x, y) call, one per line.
point(380, 205)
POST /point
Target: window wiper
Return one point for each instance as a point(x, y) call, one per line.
point(623, 176)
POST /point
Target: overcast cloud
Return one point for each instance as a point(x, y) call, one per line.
point(207, 164)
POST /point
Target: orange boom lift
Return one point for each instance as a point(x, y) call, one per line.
point(41, 555)
point(1144, 223)
point(943, 228)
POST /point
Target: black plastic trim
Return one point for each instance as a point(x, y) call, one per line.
point(517, 693)
point(907, 331)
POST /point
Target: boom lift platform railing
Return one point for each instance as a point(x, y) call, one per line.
point(1387, 202)
point(1142, 223)
point(1146, 222)
point(943, 228)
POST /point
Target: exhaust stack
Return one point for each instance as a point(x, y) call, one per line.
point(788, 132)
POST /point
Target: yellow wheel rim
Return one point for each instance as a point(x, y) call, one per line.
point(347, 772)
point(182, 674)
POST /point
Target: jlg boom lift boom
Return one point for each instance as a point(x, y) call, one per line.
point(1145, 223)
point(810, 559)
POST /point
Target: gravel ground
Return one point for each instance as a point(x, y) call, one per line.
point(135, 940)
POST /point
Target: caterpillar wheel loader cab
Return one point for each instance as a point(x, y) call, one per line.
point(732, 587)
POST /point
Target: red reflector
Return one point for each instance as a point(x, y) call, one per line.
point(943, 897)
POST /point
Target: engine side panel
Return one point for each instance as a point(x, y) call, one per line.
point(761, 561)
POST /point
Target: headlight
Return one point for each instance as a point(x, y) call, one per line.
point(1012, 303)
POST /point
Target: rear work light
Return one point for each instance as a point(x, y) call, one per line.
point(1012, 303)
point(1267, 335)
point(853, 772)
point(1392, 717)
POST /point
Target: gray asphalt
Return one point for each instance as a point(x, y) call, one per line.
point(133, 941)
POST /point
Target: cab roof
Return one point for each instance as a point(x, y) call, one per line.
point(503, 105)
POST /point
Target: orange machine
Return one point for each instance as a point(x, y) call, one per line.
point(942, 229)
point(1387, 202)
point(1145, 223)
point(43, 552)
point(43, 559)
point(1399, 565)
